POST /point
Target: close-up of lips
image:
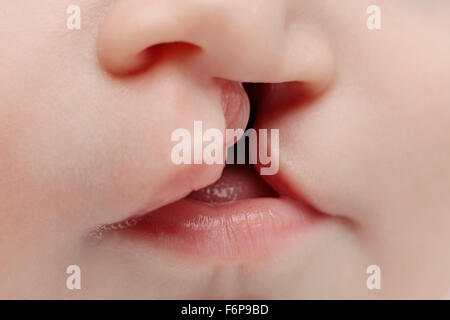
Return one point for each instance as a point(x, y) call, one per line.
point(239, 216)
point(206, 151)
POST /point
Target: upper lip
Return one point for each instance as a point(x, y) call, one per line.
point(259, 95)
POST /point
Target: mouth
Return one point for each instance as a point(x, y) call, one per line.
point(240, 216)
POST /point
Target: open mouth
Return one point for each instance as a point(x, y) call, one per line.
point(238, 216)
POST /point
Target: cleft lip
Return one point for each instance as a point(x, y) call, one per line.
point(241, 214)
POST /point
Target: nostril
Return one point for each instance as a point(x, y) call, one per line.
point(156, 54)
point(171, 50)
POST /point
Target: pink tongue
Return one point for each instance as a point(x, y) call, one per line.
point(237, 182)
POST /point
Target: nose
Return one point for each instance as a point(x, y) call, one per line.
point(242, 40)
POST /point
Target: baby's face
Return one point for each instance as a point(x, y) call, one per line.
point(87, 116)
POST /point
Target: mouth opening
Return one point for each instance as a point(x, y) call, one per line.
point(239, 181)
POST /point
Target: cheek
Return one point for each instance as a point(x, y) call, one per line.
point(409, 109)
point(377, 141)
point(101, 150)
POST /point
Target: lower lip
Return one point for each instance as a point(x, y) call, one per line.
point(248, 228)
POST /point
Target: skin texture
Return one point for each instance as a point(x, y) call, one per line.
point(85, 120)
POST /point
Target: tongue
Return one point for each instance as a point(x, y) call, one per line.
point(237, 182)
